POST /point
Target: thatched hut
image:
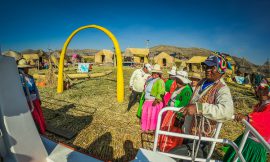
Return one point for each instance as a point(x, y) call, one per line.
point(32, 58)
point(13, 54)
point(194, 64)
point(181, 64)
point(164, 60)
point(140, 55)
point(104, 56)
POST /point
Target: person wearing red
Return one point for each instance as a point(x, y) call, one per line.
point(32, 95)
point(260, 120)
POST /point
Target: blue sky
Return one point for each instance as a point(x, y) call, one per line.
point(240, 28)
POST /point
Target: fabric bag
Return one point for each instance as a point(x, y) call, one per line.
point(167, 143)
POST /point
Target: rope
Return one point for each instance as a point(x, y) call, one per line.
point(201, 130)
point(194, 141)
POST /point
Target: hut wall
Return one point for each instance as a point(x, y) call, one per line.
point(138, 59)
point(107, 59)
point(195, 68)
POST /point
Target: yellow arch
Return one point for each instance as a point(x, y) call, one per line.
point(120, 78)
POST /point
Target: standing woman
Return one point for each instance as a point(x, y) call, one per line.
point(154, 91)
point(253, 150)
point(32, 95)
point(171, 79)
point(170, 85)
point(172, 120)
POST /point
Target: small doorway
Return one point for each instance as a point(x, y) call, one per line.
point(142, 59)
point(164, 62)
point(190, 67)
point(102, 58)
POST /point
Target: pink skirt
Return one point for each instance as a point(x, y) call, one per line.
point(150, 115)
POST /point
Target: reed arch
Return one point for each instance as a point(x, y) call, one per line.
point(120, 78)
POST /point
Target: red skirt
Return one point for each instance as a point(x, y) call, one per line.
point(38, 116)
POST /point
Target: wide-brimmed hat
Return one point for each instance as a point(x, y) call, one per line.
point(23, 64)
point(148, 67)
point(173, 71)
point(183, 76)
point(156, 69)
point(196, 76)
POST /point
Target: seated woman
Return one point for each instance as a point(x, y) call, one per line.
point(195, 79)
point(154, 91)
point(172, 121)
point(253, 150)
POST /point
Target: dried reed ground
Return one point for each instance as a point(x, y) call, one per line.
point(104, 128)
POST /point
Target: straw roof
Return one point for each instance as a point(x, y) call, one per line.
point(104, 56)
point(32, 56)
point(182, 63)
point(141, 52)
point(163, 55)
point(104, 52)
point(31, 51)
point(196, 60)
point(14, 54)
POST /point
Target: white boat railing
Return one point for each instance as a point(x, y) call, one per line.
point(249, 129)
point(213, 140)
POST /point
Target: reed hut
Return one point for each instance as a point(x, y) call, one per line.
point(194, 64)
point(104, 56)
point(164, 60)
point(140, 55)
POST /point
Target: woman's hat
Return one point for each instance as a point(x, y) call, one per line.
point(173, 71)
point(183, 76)
point(23, 64)
point(148, 67)
point(156, 69)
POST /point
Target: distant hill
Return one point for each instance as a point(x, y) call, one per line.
point(81, 51)
point(265, 68)
point(189, 52)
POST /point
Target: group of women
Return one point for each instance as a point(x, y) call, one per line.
point(177, 91)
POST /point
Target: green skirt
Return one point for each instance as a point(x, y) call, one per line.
point(252, 151)
point(139, 111)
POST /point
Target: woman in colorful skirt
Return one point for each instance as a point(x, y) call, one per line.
point(253, 150)
point(32, 95)
point(154, 91)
